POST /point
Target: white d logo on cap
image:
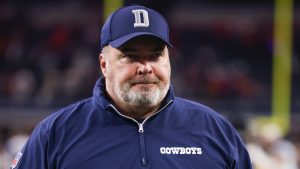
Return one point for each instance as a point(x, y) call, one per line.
point(138, 14)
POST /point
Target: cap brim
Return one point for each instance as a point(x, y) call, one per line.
point(120, 41)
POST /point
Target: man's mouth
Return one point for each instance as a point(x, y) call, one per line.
point(144, 82)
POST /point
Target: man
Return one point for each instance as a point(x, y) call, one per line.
point(133, 119)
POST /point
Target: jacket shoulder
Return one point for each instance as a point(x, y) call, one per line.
point(195, 107)
point(61, 116)
point(201, 115)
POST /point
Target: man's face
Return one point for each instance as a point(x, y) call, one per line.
point(138, 73)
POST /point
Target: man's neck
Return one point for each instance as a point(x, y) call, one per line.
point(138, 112)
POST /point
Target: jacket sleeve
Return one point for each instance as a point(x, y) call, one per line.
point(241, 155)
point(34, 154)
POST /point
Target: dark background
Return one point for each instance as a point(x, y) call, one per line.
point(222, 56)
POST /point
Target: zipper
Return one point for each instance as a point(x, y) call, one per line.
point(144, 160)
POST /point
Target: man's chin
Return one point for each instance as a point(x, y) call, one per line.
point(144, 97)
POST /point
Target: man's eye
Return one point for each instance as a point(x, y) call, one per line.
point(134, 57)
point(131, 56)
point(155, 56)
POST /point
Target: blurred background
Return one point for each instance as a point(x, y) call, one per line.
point(225, 55)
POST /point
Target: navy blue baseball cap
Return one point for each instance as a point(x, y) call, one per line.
point(132, 21)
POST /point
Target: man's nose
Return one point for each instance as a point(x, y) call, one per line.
point(144, 67)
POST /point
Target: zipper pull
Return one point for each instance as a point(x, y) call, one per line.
point(141, 129)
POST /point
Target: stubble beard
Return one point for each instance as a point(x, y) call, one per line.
point(141, 97)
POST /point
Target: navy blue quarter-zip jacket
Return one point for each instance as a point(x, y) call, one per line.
point(93, 134)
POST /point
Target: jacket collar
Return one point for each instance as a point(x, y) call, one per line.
point(101, 98)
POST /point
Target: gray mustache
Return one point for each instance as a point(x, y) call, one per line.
point(144, 81)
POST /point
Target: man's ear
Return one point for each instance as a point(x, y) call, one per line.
point(102, 63)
